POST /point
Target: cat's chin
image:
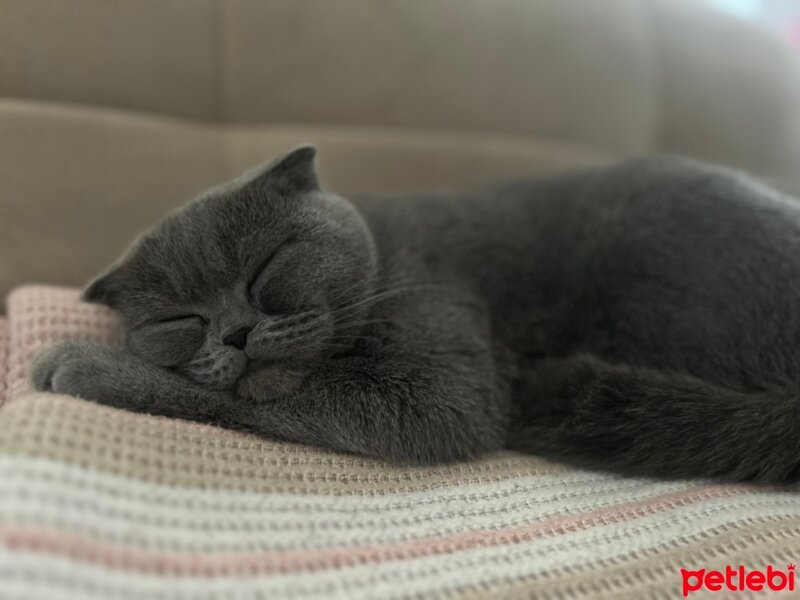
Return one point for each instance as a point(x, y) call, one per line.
point(270, 382)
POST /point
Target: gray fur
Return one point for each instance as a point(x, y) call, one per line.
point(643, 318)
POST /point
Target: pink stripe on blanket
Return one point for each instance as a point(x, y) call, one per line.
point(31, 538)
point(39, 316)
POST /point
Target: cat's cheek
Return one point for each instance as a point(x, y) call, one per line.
point(271, 382)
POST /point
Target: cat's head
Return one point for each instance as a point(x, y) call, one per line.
point(250, 285)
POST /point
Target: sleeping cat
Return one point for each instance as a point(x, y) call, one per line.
point(643, 318)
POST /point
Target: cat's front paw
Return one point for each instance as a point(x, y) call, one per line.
point(271, 382)
point(76, 368)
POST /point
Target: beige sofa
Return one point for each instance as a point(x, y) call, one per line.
point(112, 112)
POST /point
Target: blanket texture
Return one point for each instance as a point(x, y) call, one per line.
point(101, 503)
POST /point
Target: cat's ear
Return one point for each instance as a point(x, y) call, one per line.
point(107, 288)
point(292, 173)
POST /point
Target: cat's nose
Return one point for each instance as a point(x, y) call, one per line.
point(237, 338)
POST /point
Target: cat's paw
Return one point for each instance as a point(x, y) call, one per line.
point(271, 383)
point(76, 368)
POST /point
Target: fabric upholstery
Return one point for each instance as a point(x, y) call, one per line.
point(511, 66)
point(157, 56)
point(629, 75)
point(729, 92)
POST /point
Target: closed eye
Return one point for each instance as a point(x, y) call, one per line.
point(261, 267)
point(177, 319)
point(168, 341)
point(256, 276)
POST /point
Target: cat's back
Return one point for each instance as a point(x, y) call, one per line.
point(657, 183)
point(642, 215)
point(687, 207)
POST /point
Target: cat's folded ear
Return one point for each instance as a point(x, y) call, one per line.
point(292, 173)
point(106, 288)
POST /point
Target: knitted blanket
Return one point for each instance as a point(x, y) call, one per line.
point(101, 503)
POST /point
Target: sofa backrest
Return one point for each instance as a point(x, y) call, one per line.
point(629, 76)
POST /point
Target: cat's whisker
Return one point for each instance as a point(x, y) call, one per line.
point(361, 322)
point(357, 337)
point(393, 281)
point(381, 296)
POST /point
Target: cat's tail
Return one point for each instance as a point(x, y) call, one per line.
point(644, 422)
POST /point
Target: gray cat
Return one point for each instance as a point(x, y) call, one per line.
point(643, 318)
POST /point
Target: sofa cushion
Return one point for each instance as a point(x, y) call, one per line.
point(77, 184)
